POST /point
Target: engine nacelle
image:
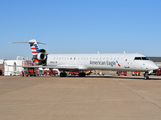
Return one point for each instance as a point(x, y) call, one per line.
point(41, 56)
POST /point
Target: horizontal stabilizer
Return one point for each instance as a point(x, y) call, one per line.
point(33, 41)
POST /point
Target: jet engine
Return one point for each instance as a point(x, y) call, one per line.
point(41, 57)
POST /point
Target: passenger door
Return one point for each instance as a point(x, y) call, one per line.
point(126, 63)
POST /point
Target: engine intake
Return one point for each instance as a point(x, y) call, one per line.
point(41, 56)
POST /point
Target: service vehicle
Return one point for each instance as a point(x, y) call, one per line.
point(29, 71)
point(73, 73)
point(77, 72)
point(88, 72)
point(121, 73)
point(135, 73)
point(1, 72)
point(50, 72)
point(158, 72)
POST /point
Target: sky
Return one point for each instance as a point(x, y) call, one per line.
point(80, 26)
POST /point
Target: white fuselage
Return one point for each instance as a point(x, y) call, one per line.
point(122, 62)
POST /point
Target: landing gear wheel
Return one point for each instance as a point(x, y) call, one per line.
point(63, 74)
point(82, 74)
point(146, 76)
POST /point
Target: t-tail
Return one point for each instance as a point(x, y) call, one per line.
point(39, 55)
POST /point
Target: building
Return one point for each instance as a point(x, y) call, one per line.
point(157, 60)
point(14, 67)
point(10, 67)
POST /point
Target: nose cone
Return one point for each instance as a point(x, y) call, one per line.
point(153, 66)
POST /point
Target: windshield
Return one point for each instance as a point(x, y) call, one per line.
point(141, 58)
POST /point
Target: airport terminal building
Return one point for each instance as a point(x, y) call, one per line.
point(157, 60)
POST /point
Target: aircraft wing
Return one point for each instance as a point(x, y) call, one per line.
point(61, 67)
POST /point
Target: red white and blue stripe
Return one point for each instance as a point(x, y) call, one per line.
point(34, 49)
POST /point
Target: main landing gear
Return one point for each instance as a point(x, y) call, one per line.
point(146, 76)
point(63, 74)
point(82, 74)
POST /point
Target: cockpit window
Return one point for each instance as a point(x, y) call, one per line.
point(141, 58)
point(145, 58)
point(137, 58)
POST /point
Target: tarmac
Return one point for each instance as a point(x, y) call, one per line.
point(78, 98)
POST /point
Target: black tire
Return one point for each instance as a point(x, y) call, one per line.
point(82, 74)
point(63, 74)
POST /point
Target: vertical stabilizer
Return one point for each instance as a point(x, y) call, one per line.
point(34, 47)
point(36, 51)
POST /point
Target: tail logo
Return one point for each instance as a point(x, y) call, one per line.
point(34, 49)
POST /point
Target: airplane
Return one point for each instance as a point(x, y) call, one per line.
point(83, 62)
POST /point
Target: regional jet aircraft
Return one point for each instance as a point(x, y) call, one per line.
point(82, 62)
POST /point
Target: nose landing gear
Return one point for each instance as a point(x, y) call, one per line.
point(146, 76)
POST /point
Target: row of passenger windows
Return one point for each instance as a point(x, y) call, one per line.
point(84, 58)
point(96, 58)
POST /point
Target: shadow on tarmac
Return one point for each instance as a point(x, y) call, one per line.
point(121, 77)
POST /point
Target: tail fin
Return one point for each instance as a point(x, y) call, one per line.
point(34, 47)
